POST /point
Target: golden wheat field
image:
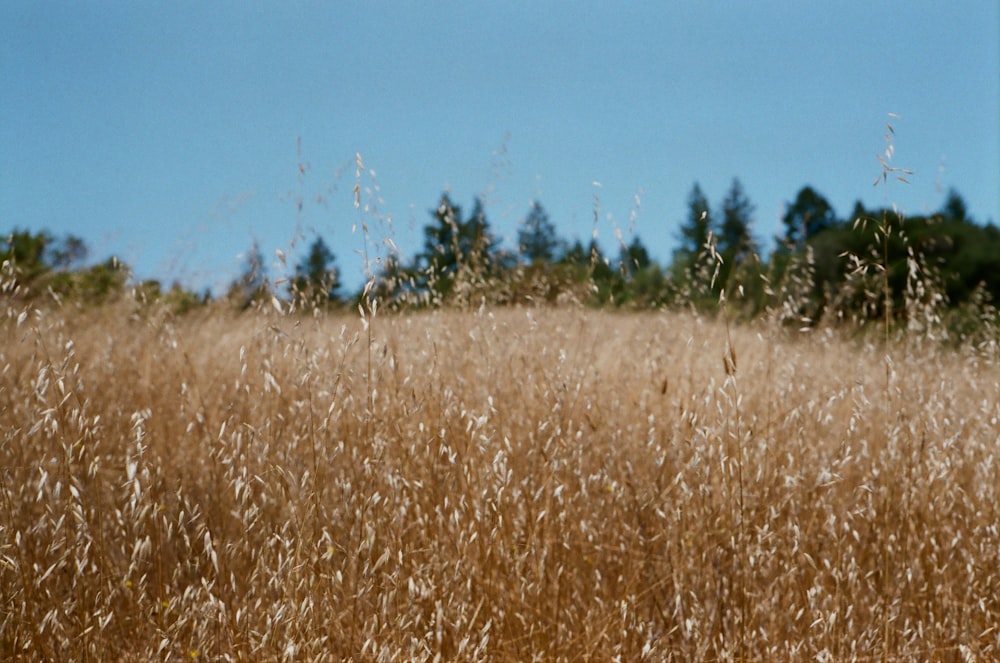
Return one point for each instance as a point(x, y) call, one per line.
point(501, 485)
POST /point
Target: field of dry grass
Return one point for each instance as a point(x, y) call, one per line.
point(511, 485)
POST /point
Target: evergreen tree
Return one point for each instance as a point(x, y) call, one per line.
point(537, 240)
point(695, 229)
point(736, 242)
point(251, 284)
point(809, 215)
point(396, 283)
point(576, 255)
point(600, 271)
point(476, 242)
point(635, 257)
point(596, 257)
point(455, 248)
point(692, 267)
point(954, 207)
point(441, 239)
point(316, 279)
point(739, 267)
point(858, 211)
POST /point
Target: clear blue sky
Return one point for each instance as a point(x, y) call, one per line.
point(171, 133)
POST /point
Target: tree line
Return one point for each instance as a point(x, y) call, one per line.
point(873, 263)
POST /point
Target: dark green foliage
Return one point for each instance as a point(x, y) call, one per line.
point(855, 263)
point(28, 253)
point(954, 207)
point(460, 262)
point(635, 257)
point(940, 271)
point(251, 285)
point(540, 273)
point(639, 281)
point(576, 255)
point(96, 284)
point(394, 285)
point(147, 292)
point(795, 290)
point(825, 268)
point(694, 232)
point(695, 267)
point(585, 275)
point(457, 252)
point(650, 287)
point(738, 270)
point(69, 254)
point(44, 265)
point(735, 238)
point(180, 300)
point(317, 280)
point(601, 275)
point(808, 216)
point(537, 239)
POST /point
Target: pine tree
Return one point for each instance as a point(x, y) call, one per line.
point(738, 271)
point(634, 258)
point(694, 233)
point(317, 280)
point(954, 207)
point(809, 215)
point(736, 242)
point(699, 222)
point(537, 240)
point(251, 285)
point(454, 248)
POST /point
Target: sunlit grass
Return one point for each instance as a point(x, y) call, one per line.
point(513, 484)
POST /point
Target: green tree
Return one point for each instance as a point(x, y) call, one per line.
point(27, 252)
point(317, 280)
point(809, 215)
point(634, 257)
point(693, 269)
point(649, 287)
point(43, 264)
point(695, 229)
point(641, 282)
point(954, 207)
point(181, 300)
point(477, 243)
point(537, 239)
point(251, 285)
point(576, 255)
point(740, 270)
point(602, 276)
point(586, 263)
point(69, 253)
point(442, 239)
point(736, 242)
point(455, 249)
point(101, 282)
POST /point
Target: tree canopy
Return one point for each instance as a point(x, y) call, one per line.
point(874, 263)
point(537, 239)
point(809, 215)
point(317, 280)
